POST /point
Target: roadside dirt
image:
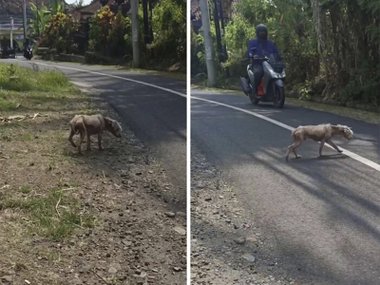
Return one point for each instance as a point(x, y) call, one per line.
point(226, 245)
point(135, 236)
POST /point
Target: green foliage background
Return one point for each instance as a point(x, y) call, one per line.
point(340, 62)
point(110, 34)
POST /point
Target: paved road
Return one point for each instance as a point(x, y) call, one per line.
point(320, 217)
point(155, 112)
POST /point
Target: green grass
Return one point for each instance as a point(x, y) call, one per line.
point(54, 216)
point(25, 189)
point(27, 88)
point(16, 78)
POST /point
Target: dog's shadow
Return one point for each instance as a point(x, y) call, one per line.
point(320, 158)
point(332, 156)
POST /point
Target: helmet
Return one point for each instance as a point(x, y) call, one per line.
point(262, 32)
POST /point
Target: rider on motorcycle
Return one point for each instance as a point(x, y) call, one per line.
point(259, 48)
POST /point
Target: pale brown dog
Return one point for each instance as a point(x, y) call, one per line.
point(87, 126)
point(322, 133)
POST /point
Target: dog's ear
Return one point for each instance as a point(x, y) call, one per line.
point(116, 125)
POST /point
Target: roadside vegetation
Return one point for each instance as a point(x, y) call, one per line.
point(331, 48)
point(107, 36)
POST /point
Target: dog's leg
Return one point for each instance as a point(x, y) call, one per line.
point(334, 146)
point(296, 144)
point(287, 153)
point(80, 141)
point(88, 142)
point(72, 133)
point(292, 148)
point(295, 153)
point(321, 147)
point(100, 141)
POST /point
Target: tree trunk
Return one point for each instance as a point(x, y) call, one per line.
point(135, 33)
point(211, 70)
point(315, 5)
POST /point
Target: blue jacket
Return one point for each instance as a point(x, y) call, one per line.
point(262, 48)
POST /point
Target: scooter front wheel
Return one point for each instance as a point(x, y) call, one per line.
point(279, 97)
point(253, 98)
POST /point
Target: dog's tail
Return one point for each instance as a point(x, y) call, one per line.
point(83, 125)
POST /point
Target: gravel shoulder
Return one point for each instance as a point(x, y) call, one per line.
point(227, 246)
point(132, 234)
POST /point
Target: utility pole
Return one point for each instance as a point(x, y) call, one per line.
point(210, 64)
point(25, 20)
point(135, 33)
point(11, 35)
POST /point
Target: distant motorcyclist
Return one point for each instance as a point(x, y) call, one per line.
point(28, 50)
point(259, 48)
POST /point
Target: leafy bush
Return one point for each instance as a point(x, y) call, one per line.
point(100, 27)
point(169, 29)
point(58, 33)
point(109, 33)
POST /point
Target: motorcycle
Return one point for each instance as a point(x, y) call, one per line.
point(271, 86)
point(28, 52)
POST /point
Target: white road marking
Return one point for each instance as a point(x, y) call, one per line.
point(114, 76)
point(350, 154)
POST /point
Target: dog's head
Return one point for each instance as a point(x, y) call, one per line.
point(346, 131)
point(113, 126)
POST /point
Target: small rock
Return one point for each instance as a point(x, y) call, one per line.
point(170, 214)
point(114, 268)
point(200, 185)
point(127, 242)
point(180, 230)
point(248, 257)
point(252, 239)
point(7, 278)
point(131, 159)
point(177, 269)
point(240, 240)
point(181, 214)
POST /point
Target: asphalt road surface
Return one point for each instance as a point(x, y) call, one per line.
point(320, 216)
point(152, 105)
